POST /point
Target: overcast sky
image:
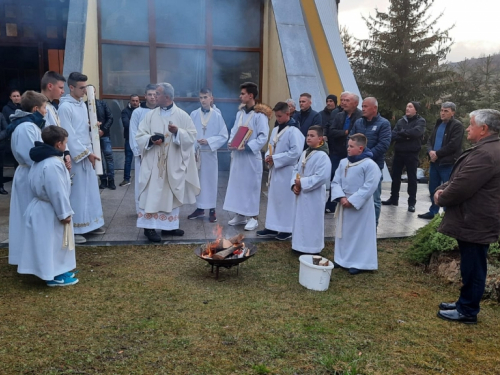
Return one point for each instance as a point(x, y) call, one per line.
point(476, 23)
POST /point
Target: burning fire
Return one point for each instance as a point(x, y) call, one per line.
point(222, 248)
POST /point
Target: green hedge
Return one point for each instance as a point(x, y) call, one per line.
point(428, 240)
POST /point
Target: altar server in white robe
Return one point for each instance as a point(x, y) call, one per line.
point(309, 179)
point(211, 135)
point(48, 215)
point(285, 146)
point(137, 116)
point(53, 88)
point(85, 197)
point(245, 173)
point(168, 175)
point(353, 185)
point(24, 130)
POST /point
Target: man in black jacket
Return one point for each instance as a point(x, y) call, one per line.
point(13, 104)
point(329, 112)
point(3, 148)
point(407, 135)
point(338, 129)
point(444, 147)
point(129, 155)
point(307, 117)
point(105, 117)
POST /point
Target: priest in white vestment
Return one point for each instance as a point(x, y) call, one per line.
point(285, 147)
point(48, 215)
point(353, 185)
point(137, 116)
point(24, 130)
point(211, 135)
point(245, 173)
point(85, 196)
point(168, 174)
point(308, 181)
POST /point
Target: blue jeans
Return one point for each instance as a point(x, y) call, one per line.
point(473, 268)
point(129, 156)
point(438, 175)
point(376, 199)
point(107, 164)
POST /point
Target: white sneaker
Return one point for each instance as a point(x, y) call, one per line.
point(98, 231)
point(80, 239)
point(252, 224)
point(238, 220)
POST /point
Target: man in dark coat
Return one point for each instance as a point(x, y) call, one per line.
point(338, 129)
point(473, 211)
point(129, 155)
point(407, 135)
point(328, 113)
point(307, 117)
point(444, 147)
point(3, 149)
point(13, 104)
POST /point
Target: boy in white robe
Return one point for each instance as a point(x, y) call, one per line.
point(245, 173)
point(309, 179)
point(285, 146)
point(48, 215)
point(137, 116)
point(24, 130)
point(85, 196)
point(211, 135)
point(353, 185)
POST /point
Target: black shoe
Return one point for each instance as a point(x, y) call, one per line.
point(455, 316)
point(3, 191)
point(354, 271)
point(390, 202)
point(336, 265)
point(196, 214)
point(211, 217)
point(447, 306)
point(267, 233)
point(411, 208)
point(175, 232)
point(152, 235)
point(111, 184)
point(427, 215)
point(104, 184)
point(283, 236)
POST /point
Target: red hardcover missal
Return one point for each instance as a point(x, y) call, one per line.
point(241, 137)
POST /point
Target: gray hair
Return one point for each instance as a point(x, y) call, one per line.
point(373, 100)
point(290, 101)
point(488, 117)
point(450, 105)
point(168, 89)
point(356, 98)
point(345, 93)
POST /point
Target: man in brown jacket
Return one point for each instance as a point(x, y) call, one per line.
point(473, 211)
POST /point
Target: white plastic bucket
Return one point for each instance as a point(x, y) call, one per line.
point(314, 277)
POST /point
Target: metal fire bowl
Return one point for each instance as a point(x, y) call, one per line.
point(226, 263)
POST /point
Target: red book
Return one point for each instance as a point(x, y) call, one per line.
point(241, 137)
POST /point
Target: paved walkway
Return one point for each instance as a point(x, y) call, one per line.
point(120, 217)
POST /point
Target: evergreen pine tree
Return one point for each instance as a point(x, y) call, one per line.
point(400, 61)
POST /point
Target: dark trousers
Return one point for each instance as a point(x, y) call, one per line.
point(438, 175)
point(410, 161)
point(473, 269)
point(129, 156)
point(335, 164)
point(2, 152)
point(107, 163)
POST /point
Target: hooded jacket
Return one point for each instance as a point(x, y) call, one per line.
point(9, 109)
point(43, 151)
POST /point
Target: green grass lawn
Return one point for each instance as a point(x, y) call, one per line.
point(159, 310)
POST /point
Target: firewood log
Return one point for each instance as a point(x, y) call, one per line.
point(225, 253)
point(237, 239)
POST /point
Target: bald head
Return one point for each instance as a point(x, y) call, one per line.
point(369, 108)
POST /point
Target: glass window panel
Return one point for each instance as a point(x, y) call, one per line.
point(52, 32)
point(125, 69)
point(231, 69)
point(187, 106)
point(51, 14)
point(183, 68)
point(228, 110)
point(11, 29)
point(116, 131)
point(125, 20)
point(180, 22)
point(27, 12)
point(29, 31)
point(236, 23)
point(10, 11)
